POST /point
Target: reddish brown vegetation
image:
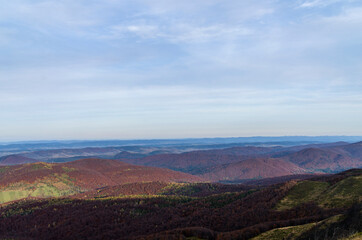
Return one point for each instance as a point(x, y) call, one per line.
point(238, 163)
point(251, 169)
point(128, 155)
point(126, 218)
point(192, 162)
point(93, 173)
point(149, 188)
point(162, 188)
point(15, 159)
point(323, 159)
point(277, 180)
point(239, 215)
point(231, 164)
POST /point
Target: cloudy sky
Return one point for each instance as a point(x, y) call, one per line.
point(126, 69)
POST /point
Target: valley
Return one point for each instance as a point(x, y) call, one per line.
point(189, 210)
point(165, 192)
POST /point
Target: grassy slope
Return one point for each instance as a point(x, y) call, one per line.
point(62, 185)
point(290, 233)
point(143, 207)
point(42, 180)
point(294, 232)
point(54, 186)
point(357, 236)
point(326, 195)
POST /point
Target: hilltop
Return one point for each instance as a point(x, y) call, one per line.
point(325, 159)
point(15, 160)
point(62, 179)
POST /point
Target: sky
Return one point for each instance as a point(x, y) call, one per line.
point(136, 69)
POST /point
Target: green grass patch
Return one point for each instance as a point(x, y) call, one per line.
point(341, 194)
point(54, 186)
point(4, 169)
point(356, 236)
point(294, 232)
point(290, 233)
point(181, 189)
point(223, 199)
point(38, 166)
point(68, 169)
point(302, 192)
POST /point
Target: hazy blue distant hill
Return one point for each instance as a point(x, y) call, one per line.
point(282, 140)
point(190, 156)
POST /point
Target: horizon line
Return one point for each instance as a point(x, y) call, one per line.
point(165, 139)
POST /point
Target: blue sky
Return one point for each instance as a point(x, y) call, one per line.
point(128, 69)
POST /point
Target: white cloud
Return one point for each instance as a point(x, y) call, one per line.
point(118, 62)
point(139, 30)
point(308, 4)
point(320, 3)
point(187, 33)
point(178, 32)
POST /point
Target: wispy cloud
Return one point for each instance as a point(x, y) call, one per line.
point(196, 65)
point(321, 3)
point(178, 32)
point(315, 3)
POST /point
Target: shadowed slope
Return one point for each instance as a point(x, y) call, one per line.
point(163, 189)
point(242, 214)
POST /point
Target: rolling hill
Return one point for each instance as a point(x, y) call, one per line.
point(237, 164)
point(230, 164)
point(64, 154)
point(54, 180)
point(294, 210)
point(190, 162)
point(327, 191)
point(162, 189)
point(255, 168)
point(15, 160)
point(128, 155)
point(353, 150)
point(327, 160)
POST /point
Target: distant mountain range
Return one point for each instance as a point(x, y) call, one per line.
point(235, 164)
point(240, 163)
point(278, 191)
point(179, 143)
point(253, 168)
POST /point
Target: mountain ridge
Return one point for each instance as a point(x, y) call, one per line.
point(62, 179)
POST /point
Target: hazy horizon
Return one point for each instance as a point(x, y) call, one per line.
point(241, 139)
point(179, 69)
